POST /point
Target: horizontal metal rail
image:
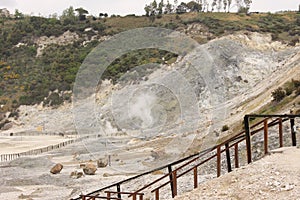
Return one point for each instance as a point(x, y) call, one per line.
point(229, 143)
point(93, 197)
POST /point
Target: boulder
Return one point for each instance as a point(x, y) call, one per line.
point(101, 164)
point(7, 126)
point(79, 174)
point(89, 169)
point(56, 169)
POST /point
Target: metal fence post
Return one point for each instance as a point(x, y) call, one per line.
point(280, 133)
point(266, 136)
point(218, 161)
point(228, 157)
point(171, 180)
point(248, 139)
point(293, 131)
point(119, 191)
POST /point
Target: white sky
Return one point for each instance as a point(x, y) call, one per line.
point(120, 7)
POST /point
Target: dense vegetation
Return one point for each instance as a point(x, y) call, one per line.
point(26, 78)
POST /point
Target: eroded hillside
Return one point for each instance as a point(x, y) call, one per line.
point(141, 112)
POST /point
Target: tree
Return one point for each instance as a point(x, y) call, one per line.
point(243, 9)
point(160, 7)
point(247, 3)
point(103, 15)
point(213, 5)
point(82, 13)
point(18, 15)
point(147, 10)
point(225, 3)
point(68, 16)
point(229, 4)
point(205, 6)
point(182, 8)
point(243, 5)
point(154, 5)
point(194, 6)
point(168, 8)
point(153, 8)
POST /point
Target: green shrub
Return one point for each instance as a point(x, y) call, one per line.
point(225, 128)
point(25, 100)
point(288, 91)
point(171, 26)
point(296, 83)
point(278, 94)
point(244, 10)
point(55, 99)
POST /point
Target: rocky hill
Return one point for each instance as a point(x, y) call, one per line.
point(39, 55)
point(250, 56)
point(148, 102)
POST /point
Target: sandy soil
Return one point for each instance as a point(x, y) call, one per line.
point(18, 144)
point(274, 177)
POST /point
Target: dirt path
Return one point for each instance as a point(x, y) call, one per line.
point(274, 177)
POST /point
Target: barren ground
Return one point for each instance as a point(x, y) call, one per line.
point(276, 176)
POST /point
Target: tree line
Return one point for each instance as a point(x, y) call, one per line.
point(155, 8)
point(69, 14)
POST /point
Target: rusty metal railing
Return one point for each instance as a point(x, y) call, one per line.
point(193, 162)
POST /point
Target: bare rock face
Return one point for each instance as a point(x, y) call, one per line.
point(56, 169)
point(90, 169)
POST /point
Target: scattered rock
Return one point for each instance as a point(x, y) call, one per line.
point(106, 175)
point(56, 169)
point(27, 197)
point(287, 187)
point(82, 165)
point(76, 174)
point(101, 164)
point(90, 169)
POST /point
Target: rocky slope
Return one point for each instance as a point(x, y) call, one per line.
point(245, 66)
point(273, 177)
point(142, 121)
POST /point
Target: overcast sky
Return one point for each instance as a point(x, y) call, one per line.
point(120, 7)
